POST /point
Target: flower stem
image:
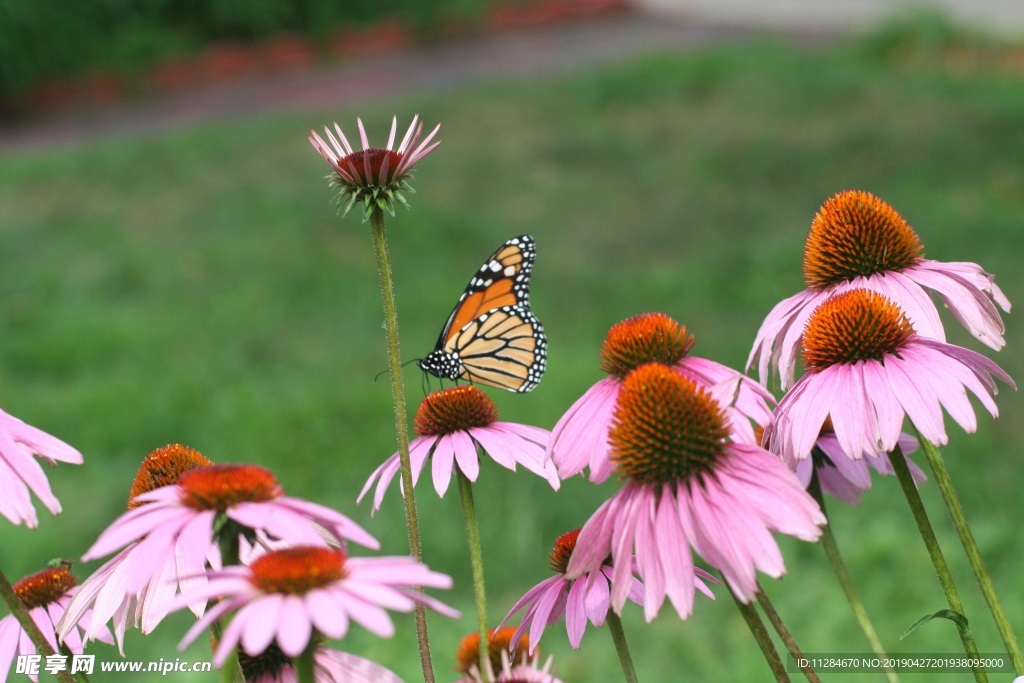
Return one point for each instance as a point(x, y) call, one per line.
point(80, 676)
point(956, 513)
point(764, 640)
point(621, 647)
point(230, 548)
point(785, 635)
point(16, 607)
point(476, 560)
point(831, 548)
point(304, 668)
point(924, 526)
point(387, 290)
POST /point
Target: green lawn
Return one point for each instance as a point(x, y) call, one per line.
point(196, 286)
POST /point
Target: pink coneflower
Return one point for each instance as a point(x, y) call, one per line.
point(843, 477)
point(247, 495)
point(285, 596)
point(866, 368)
point(452, 423)
point(857, 241)
point(46, 595)
point(688, 484)
point(106, 592)
point(525, 671)
point(19, 471)
point(580, 438)
point(373, 177)
point(499, 652)
point(578, 600)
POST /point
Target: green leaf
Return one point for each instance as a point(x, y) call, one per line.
point(959, 619)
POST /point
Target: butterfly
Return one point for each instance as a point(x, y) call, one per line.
point(492, 337)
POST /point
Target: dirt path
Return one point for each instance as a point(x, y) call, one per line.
point(511, 54)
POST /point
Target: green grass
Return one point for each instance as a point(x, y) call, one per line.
point(196, 286)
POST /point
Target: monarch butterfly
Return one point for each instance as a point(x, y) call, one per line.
point(492, 337)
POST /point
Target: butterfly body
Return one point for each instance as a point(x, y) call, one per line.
point(492, 337)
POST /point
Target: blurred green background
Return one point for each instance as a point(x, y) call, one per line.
point(196, 286)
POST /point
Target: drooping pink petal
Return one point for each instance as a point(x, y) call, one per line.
point(576, 613)
point(580, 437)
point(259, 623)
point(441, 463)
point(595, 539)
point(636, 505)
point(924, 411)
point(466, 455)
point(676, 559)
point(134, 525)
point(294, 628)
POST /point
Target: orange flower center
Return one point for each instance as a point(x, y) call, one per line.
point(646, 338)
point(46, 586)
point(854, 326)
point(666, 428)
point(218, 487)
point(375, 157)
point(560, 554)
point(298, 570)
point(498, 648)
point(164, 467)
point(454, 409)
point(857, 234)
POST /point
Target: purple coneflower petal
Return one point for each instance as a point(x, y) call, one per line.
point(580, 438)
point(259, 621)
point(441, 462)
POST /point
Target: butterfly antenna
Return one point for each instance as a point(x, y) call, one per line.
point(383, 372)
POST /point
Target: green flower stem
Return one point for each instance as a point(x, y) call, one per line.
point(831, 548)
point(228, 674)
point(228, 541)
point(304, 669)
point(16, 607)
point(899, 465)
point(956, 513)
point(80, 676)
point(621, 647)
point(387, 290)
point(764, 641)
point(784, 634)
point(476, 560)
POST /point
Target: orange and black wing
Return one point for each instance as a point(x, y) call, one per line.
point(492, 337)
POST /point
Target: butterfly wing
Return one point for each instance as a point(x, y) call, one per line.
point(491, 336)
point(503, 280)
point(503, 348)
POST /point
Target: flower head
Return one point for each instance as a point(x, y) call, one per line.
point(866, 369)
point(20, 472)
point(500, 651)
point(580, 438)
point(857, 241)
point(106, 592)
point(168, 536)
point(688, 483)
point(46, 594)
point(452, 423)
point(586, 598)
point(527, 670)
point(248, 495)
point(284, 596)
point(373, 177)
